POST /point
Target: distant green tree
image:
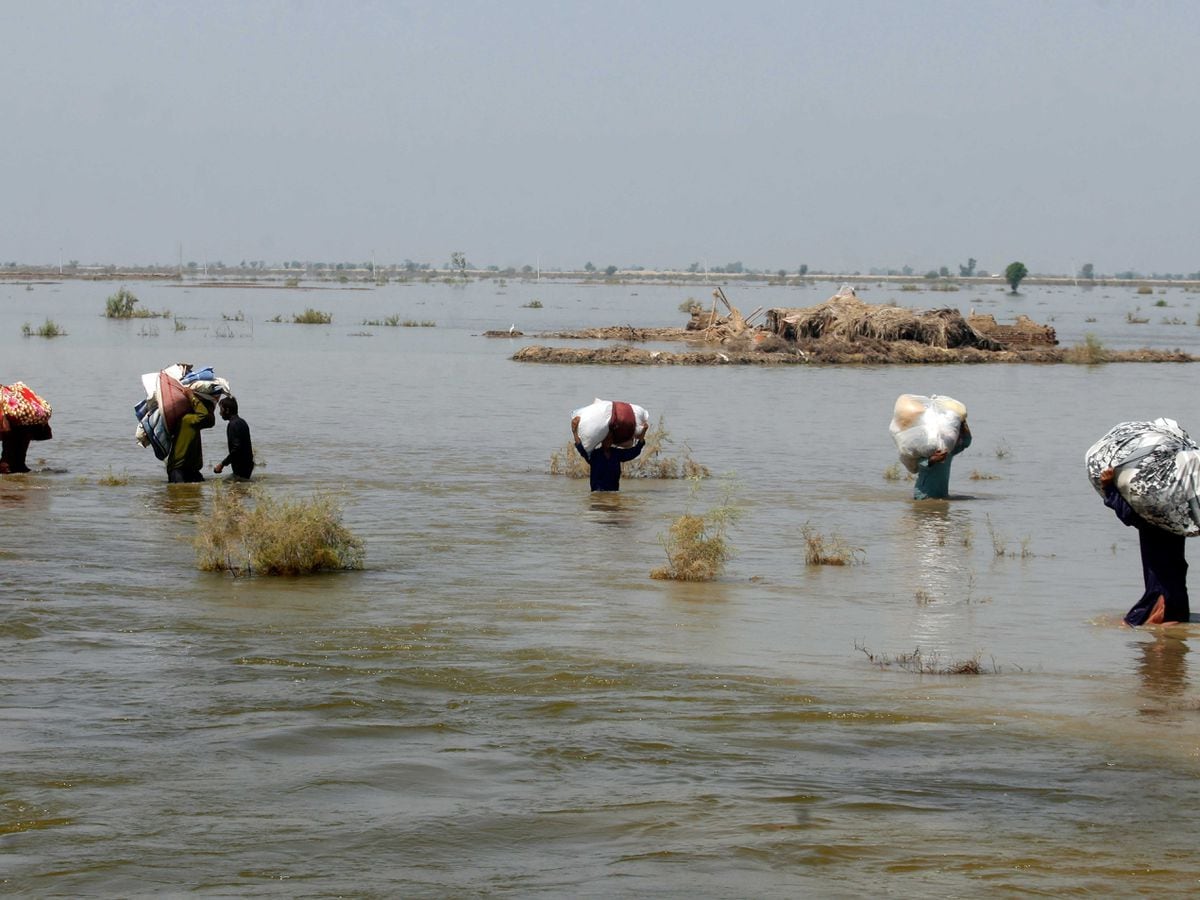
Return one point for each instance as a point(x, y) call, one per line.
point(694, 267)
point(944, 272)
point(458, 260)
point(968, 270)
point(610, 271)
point(735, 268)
point(782, 273)
point(803, 270)
point(1088, 272)
point(1014, 274)
point(589, 267)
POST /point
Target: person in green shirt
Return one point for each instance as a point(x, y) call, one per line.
point(933, 472)
point(186, 458)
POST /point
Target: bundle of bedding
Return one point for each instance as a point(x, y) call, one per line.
point(169, 395)
point(923, 425)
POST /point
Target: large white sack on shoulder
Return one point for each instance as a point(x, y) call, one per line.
point(935, 428)
point(1158, 472)
point(1126, 443)
point(593, 423)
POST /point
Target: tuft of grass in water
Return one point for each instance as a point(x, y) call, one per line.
point(1145, 289)
point(653, 462)
point(1133, 319)
point(1003, 451)
point(48, 329)
point(532, 304)
point(238, 316)
point(112, 480)
point(696, 545)
point(926, 664)
point(249, 532)
point(1089, 352)
point(976, 475)
point(179, 325)
point(1160, 302)
point(293, 281)
point(909, 287)
point(893, 472)
point(312, 316)
point(827, 551)
point(277, 318)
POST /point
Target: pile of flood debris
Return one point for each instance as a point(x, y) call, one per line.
point(841, 330)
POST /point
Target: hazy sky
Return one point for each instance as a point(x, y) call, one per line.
point(840, 134)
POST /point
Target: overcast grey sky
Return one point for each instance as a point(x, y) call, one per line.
point(836, 133)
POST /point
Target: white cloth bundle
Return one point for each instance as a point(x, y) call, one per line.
point(594, 420)
point(923, 425)
point(1157, 472)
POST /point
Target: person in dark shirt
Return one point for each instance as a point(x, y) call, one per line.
point(604, 462)
point(241, 452)
point(14, 445)
point(1164, 569)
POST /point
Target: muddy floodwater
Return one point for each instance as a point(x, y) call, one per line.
point(503, 703)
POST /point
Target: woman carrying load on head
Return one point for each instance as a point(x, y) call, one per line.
point(1164, 569)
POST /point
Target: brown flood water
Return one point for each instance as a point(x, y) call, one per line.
point(503, 702)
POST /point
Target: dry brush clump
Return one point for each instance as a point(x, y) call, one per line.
point(920, 663)
point(697, 546)
point(654, 461)
point(249, 532)
point(827, 551)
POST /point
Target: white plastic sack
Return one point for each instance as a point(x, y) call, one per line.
point(1158, 472)
point(594, 419)
point(923, 425)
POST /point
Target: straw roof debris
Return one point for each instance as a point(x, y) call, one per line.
point(846, 317)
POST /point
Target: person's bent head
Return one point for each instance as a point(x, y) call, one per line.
point(229, 407)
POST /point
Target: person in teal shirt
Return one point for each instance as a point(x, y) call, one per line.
point(933, 472)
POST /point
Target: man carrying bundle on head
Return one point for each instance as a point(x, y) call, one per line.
point(613, 432)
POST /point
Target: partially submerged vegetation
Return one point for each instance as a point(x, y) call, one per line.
point(820, 550)
point(123, 305)
point(48, 329)
point(697, 546)
point(249, 532)
point(920, 663)
point(655, 461)
point(312, 316)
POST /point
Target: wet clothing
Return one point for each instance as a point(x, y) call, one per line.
point(241, 453)
point(1164, 569)
point(933, 479)
point(186, 458)
point(606, 467)
point(15, 444)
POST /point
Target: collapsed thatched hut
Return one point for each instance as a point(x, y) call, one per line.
point(846, 317)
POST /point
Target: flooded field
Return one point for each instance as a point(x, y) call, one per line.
point(503, 702)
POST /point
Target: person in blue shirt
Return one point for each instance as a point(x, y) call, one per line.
point(604, 462)
point(933, 472)
point(1164, 569)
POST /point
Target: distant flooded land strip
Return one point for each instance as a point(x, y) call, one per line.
point(841, 331)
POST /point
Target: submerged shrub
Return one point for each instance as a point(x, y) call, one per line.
point(653, 462)
point(312, 316)
point(696, 545)
point(822, 551)
point(249, 532)
point(47, 329)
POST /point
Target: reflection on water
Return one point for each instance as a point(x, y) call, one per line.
point(1163, 666)
point(613, 508)
point(182, 499)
